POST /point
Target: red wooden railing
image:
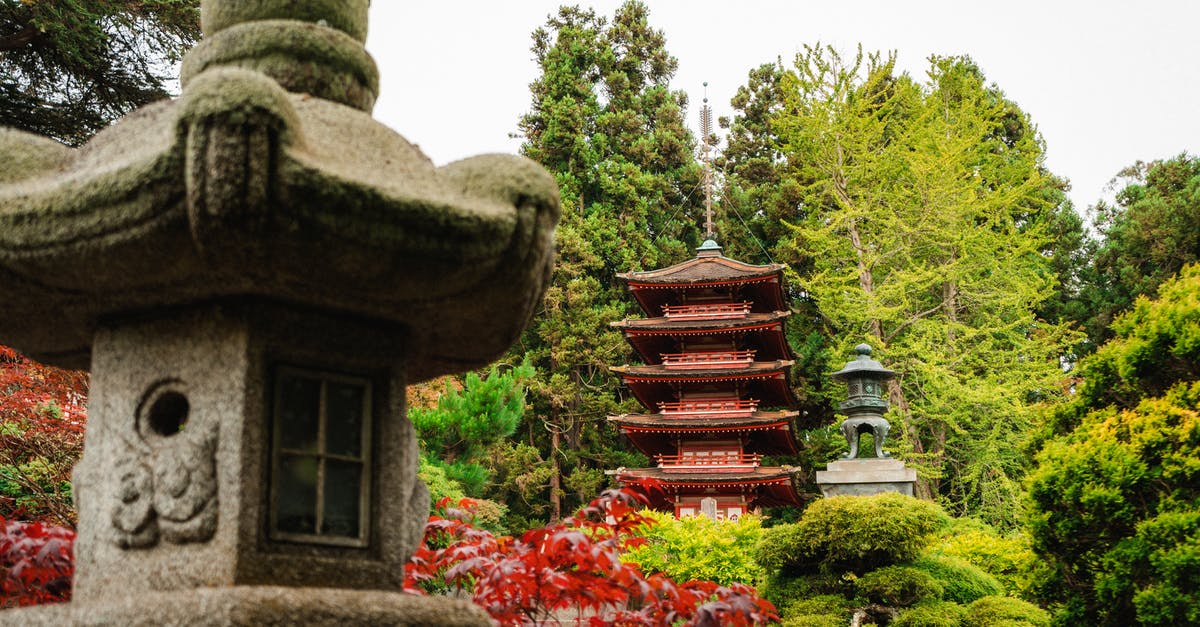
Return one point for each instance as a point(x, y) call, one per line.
point(708, 310)
point(710, 408)
point(707, 359)
point(709, 461)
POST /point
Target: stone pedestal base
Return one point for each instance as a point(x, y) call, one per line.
point(256, 605)
point(863, 477)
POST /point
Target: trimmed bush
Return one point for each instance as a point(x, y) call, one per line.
point(1000, 611)
point(963, 582)
point(932, 614)
point(899, 586)
point(827, 610)
point(855, 533)
point(786, 591)
point(1010, 559)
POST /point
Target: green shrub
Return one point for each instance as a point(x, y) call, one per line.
point(931, 614)
point(900, 586)
point(855, 533)
point(1010, 559)
point(997, 611)
point(962, 581)
point(828, 610)
point(700, 548)
point(786, 590)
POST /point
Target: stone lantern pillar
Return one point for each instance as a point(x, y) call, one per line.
point(253, 273)
point(865, 406)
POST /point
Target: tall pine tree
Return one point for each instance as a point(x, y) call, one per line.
point(606, 123)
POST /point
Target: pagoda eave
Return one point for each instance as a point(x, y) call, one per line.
point(765, 486)
point(769, 432)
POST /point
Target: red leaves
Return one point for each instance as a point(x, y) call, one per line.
point(42, 420)
point(36, 563)
point(573, 572)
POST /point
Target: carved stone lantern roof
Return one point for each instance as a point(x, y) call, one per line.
point(268, 178)
point(863, 366)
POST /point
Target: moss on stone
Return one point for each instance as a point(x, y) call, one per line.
point(348, 16)
point(302, 57)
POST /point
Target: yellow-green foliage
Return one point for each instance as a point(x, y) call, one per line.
point(854, 533)
point(932, 614)
point(999, 611)
point(898, 586)
point(826, 610)
point(962, 581)
point(700, 548)
point(1008, 558)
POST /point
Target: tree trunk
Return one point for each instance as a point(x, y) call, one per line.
point(555, 478)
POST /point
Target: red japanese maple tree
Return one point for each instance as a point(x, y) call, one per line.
point(572, 571)
point(42, 416)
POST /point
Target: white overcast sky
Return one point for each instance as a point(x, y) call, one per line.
point(1107, 83)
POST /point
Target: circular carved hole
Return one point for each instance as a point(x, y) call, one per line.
point(168, 414)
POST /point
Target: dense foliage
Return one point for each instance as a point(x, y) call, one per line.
point(1147, 236)
point(68, 68)
point(880, 559)
point(1116, 501)
point(573, 568)
point(699, 548)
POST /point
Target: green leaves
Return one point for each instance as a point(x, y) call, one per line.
point(918, 225)
point(1115, 501)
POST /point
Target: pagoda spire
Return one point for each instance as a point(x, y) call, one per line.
point(705, 135)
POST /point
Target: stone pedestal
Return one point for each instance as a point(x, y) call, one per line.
point(864, 477)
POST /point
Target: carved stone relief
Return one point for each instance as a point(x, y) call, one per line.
point(168, 482)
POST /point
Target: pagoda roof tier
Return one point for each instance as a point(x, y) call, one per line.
point(766, 381)
point(767, 432)
point(706, 269)
point(764, 486)
point(760, 285)
point(651, 337)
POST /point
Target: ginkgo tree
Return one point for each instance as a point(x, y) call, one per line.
point(919, 227)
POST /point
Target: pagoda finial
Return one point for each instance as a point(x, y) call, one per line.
point(705, 134)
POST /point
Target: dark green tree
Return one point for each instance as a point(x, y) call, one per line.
point(1147, 236)
point(1115, 503)
point(68, 68)
point(606, 123)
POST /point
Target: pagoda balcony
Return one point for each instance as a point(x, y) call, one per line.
point(711, 408)
point(709, 311)
point(707, 360)
point(714, 461)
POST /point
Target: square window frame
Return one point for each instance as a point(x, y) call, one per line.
point(366, 491)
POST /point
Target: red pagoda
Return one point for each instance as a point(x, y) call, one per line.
point(715, 385)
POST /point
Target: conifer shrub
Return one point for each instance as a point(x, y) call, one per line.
point(852, 533)
point(961, 581)
point(827, 610)
point(1008, 558)
point(785, 590)
point(932, 614)
point(998, 611)
point(898, 586)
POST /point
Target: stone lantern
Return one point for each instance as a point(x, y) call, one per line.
point(253, 272)
point(865, 380)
